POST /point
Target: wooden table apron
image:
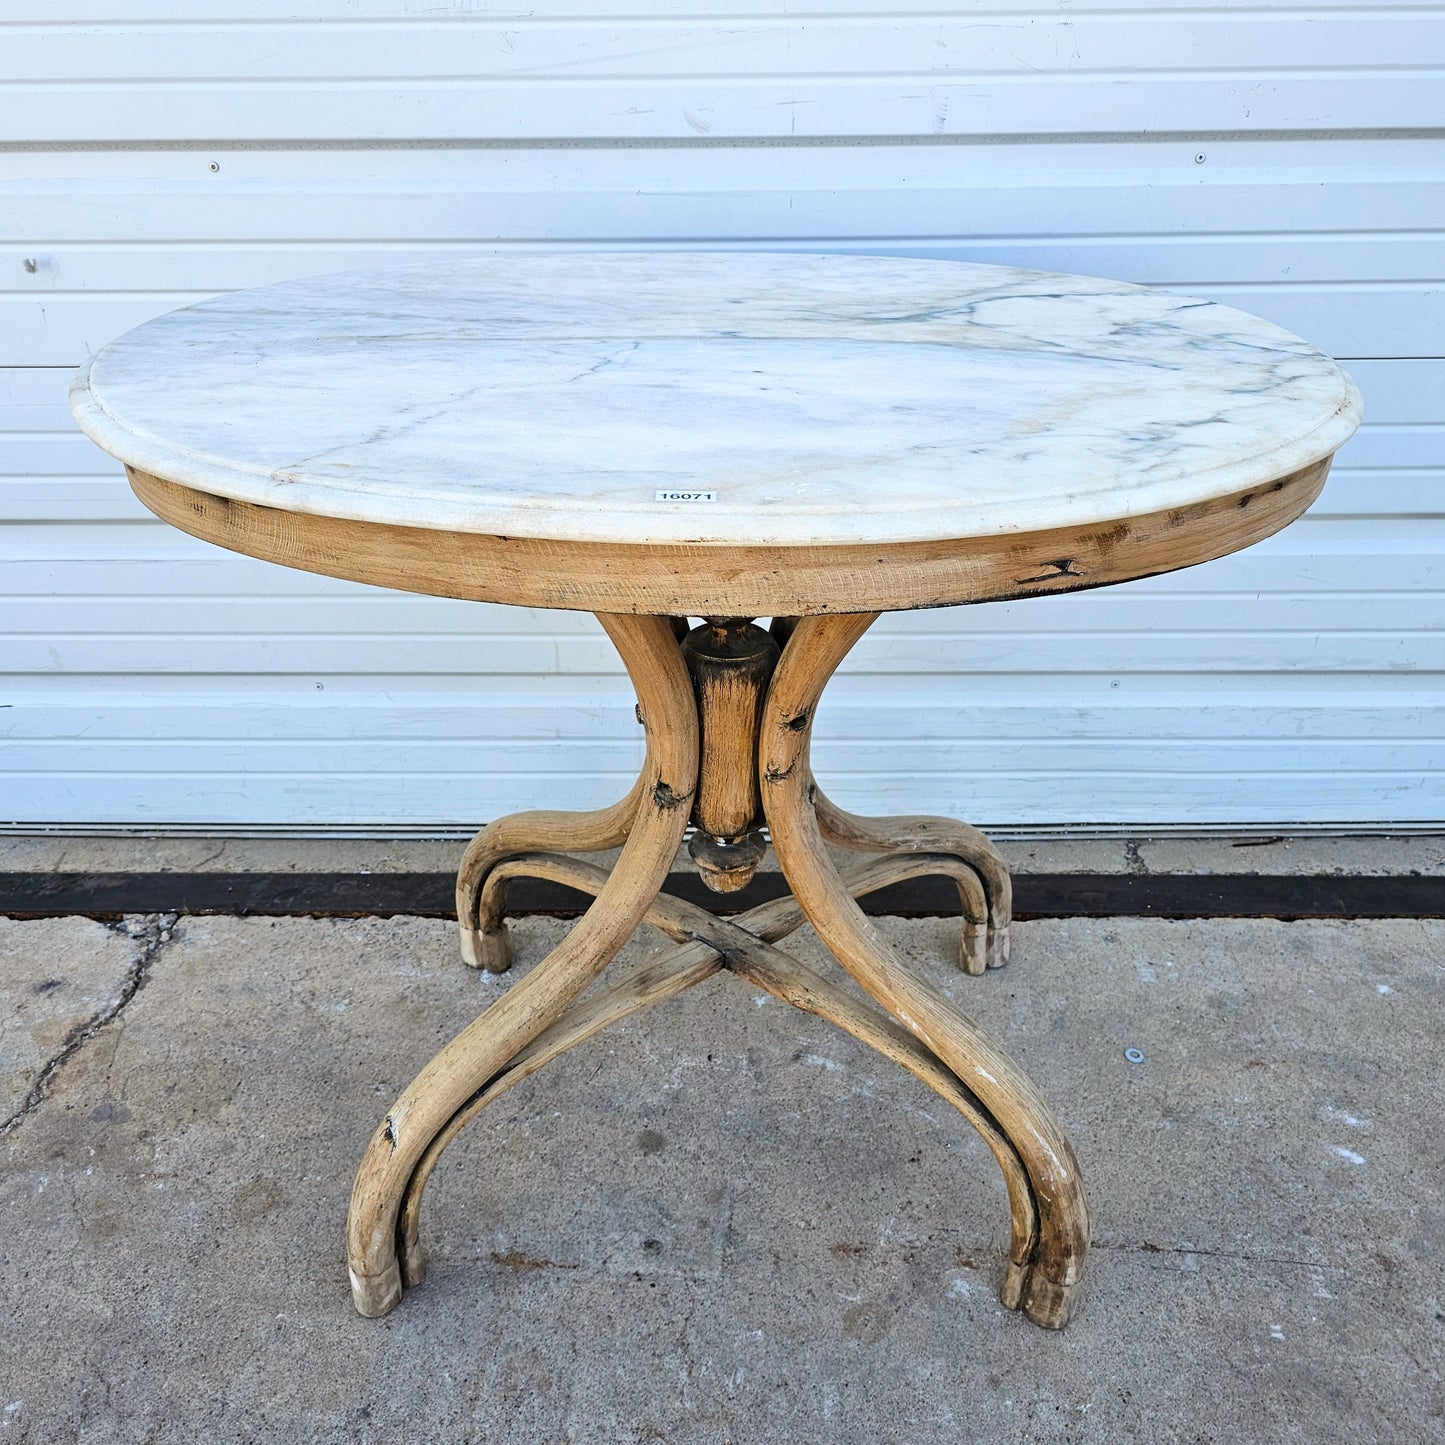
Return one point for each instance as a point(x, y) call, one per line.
point(676, 579)
point(866, 435)
point(751, 738)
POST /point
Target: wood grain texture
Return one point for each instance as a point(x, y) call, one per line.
point(542, 1017)
point(920, 1028)
point(1055, 1269)
point(708, 944)
point(731, 661)
point(640, 987)
point(650, 653)
point(483, 938)
point(923, 834)
point(738, 581)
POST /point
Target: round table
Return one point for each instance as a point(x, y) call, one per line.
point(806, 440)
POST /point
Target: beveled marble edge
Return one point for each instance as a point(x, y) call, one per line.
point(987, 467)
point(633, 524)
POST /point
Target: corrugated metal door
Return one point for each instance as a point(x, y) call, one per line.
point(1285, 161)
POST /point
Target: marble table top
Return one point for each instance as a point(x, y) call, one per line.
point(715, 398)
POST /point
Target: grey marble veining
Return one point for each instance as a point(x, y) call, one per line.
point(820, 399)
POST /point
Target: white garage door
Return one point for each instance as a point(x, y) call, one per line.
point(1285, 161)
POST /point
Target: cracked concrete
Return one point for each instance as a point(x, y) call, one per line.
point(723, 1221)
point(73, 980)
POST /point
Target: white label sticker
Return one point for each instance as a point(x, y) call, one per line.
point(672, 496)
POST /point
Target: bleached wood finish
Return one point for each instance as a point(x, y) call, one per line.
point(919, 1030)
point(782, 582)
point(483, 938)
point(743, 581)
point(1055, 1267)
point(650, 653)
point(862, 436)
point(1050, 1216)
point(731, 661)
point(920, 834)
point(707, 945)
point(894, 867)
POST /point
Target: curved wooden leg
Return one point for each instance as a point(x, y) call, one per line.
point(982, 948)
point(649, 649)
point(924, 834)
point(481, 930)
point(639, 988)
point(707, 943)
point(785, 978)
point(1053, 1271)
point(891, 868)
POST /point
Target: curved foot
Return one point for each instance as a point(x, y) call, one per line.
point(1044, 1285)
point(640, 988)
point(707, 942)
point(486, 1047)
point(481, 931)
point(794, 983)
point(924, 834)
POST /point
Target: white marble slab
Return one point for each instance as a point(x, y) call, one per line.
point(818, 399)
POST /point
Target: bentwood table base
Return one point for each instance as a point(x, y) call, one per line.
point(728, 713)
point(867, 434)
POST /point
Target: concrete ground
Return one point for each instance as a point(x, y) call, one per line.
point(722, 1221)
point(164, 853)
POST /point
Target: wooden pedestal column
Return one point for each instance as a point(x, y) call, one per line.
point(731, 662)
